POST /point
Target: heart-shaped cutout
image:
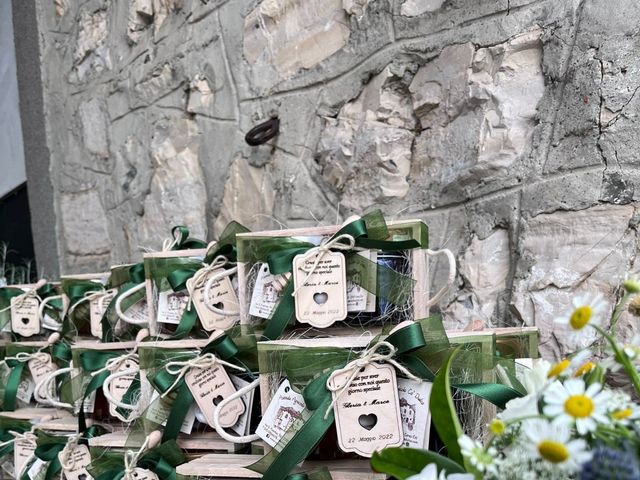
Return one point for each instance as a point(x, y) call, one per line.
point(25, 320)
point(320, 298)
point(219, 305)
point(368, 421)
point(82, 476)
point(217, 400)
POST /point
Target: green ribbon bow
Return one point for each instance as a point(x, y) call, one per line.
point(178, 278)
point(222, 347)
point(369, 232)
point(49, 446)
point(312, 367)
point(161, 460)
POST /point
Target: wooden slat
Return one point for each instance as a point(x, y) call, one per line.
point(207, 441)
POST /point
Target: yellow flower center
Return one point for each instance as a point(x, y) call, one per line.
point(622, 414)
point(497, 427)
point(558, 368)
point(584, 369)
point(579, 406)
point(580, 317)
point(553, 452)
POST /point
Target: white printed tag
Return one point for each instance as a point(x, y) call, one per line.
point(80, 460)
point(25, 320)
point(25, 389)
point(359, 299)
point(159, 409)
point(222, 296)
point(367, 413)
point(284, 410)
point(265, 295)
point(414, 411)
point(97, 307)
point(209, 386)
point(37, 470)
point(40, 367)
point(320, 286)
point(22, 452)
point(144, 474)
point(243, 425)
point(171, 306)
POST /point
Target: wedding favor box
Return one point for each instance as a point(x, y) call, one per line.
point(31, 311)
point(181, 363)
point(382, 287)
point(83, 293)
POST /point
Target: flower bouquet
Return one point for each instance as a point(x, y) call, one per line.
point(569, 425)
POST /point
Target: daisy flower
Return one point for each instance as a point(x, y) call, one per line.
point(430, 472)
point(570, 366)
point(621, 409)
point(570, 403)
point(482, 459)
point(631, 350)
point(519, 408)
point(535, 379)
point(552, 443)
point(587, 310)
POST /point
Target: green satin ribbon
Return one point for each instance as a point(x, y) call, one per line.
point(92, 361)
point(300, 364)
point(161, 460)
point(49, 446)
point(183, 241)
point(222, 347)
point(280, 261)
point(321, 473)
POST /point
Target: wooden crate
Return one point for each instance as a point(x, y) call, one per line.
point(418, 258)
point(235, 467)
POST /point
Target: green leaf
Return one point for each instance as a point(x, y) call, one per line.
point(443, 411)
point(401, 463)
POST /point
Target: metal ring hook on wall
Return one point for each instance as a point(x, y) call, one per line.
point(264, 132)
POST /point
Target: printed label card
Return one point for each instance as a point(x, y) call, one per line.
point(414, 412)
point(25, 389)
point(120, 385)
point(37, 470)
point(171, 306)
point(25, 320)
point(243, 425)
point(90, 401)
point(361, 274)
point(144, 474)
point(265, 295)
point(79, 461)
point(97, 307)
point(158, 412)
point(321, 297)
point(209, 386)
point(284, 410)
point(367, 414)
point(40, 367)
point(22, 451)
point(222, 296)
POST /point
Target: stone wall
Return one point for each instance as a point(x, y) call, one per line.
point(510, 127)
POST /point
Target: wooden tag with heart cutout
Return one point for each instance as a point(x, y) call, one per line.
point(321, 296)
point(97, 307)
point(41, 366)
point(23, 450)
point(222, 296)
point(144, 474)
point(367, 414)
point(79, 461)
point(209, 386)
point(25, 320)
